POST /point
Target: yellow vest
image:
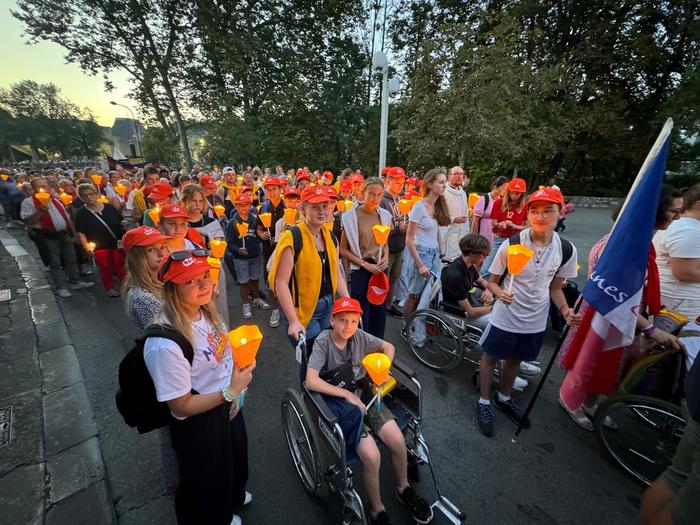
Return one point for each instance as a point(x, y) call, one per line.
point(140, 202)
point(308, 269)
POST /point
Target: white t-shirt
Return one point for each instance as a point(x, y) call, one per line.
point(426, 232)
point(172, 375)
point(682, 241)
point(528, 312)
point(27, 209)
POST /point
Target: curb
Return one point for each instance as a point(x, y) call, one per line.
point(75, 488)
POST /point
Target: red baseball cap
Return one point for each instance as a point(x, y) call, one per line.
point(412, 180)
point(161, 190)
point(357, 177)
point(292, 192)
point(181, 271)
point(244, 198)
point(346, 304)
point(331, 192)
point(517, 184)
point(345, 185)
point(302, 176)
point(273, 181)
point(378, 288)
point(396, 172)
point(546, 194)
point(173, 211)
point(328, 175)
point(207, 181)
point(385, 170)
point(142, 236)
point(315, 194)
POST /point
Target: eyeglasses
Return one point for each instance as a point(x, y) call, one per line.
point(180, 255)
point(675, 211)
point(543, 213)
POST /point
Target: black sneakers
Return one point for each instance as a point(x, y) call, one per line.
point(381, 519)
point(511, 409)
point(484, 419)
point(419, 508)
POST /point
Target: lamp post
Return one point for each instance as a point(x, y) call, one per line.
point(389, 87)
point(136, 128)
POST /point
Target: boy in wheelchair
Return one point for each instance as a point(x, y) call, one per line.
point(335, 370)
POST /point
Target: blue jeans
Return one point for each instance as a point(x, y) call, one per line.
point(497, 241)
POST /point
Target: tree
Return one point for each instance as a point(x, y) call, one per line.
point(162, 146)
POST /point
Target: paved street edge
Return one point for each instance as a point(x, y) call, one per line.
point(75, 481)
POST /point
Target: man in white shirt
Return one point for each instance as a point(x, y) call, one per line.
point(458, 207)
point(678, 258)
point(52, 226)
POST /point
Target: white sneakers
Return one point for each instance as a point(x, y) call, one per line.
point(247, 501)
point(81, 284)
point(529, 369)
point(275, 318)
point(260, 303)
point(247, 311)
point(63, 292)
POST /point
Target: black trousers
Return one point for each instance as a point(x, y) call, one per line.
point(212, 458)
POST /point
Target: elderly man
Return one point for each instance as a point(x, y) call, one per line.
point(52, 226)
point(456, 199)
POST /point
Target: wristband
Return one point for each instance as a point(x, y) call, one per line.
point(646, 332)
point(229, 396)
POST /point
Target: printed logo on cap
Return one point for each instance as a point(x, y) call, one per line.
point(345, 303)
point(319, 191)
point(539, 193)
point(189, 262)
point(149, 231)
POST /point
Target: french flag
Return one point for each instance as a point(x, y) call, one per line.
point(614, 289)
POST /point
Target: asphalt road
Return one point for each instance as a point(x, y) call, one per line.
point(555, 474)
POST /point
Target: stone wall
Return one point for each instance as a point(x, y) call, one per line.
point(583, 201)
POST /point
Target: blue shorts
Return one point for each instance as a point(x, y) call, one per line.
point(247, 270)
point(429, 257)
point(503, 345)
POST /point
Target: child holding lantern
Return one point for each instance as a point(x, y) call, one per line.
point(518, 321)
point(336, 359)
point(244, 247)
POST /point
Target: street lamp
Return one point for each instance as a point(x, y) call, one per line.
point(380, 63)
point(136, 128)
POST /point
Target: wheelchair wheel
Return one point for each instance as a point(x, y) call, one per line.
point(302, 439)
point(434, 339)
point(645, 435)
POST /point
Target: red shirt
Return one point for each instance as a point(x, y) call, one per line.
point(512, 214)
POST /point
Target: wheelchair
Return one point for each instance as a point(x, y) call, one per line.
point(317, 445)
point(641, 424)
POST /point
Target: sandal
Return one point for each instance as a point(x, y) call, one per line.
point(578, 416)
point(607, 422)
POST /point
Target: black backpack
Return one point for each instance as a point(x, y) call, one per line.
point(297, 245)
point(136, 396)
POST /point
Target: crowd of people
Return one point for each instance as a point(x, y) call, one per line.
point(330, 258)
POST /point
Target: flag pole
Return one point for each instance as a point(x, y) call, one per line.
point(653, 153)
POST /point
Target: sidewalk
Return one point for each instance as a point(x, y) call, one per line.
point(51, 466)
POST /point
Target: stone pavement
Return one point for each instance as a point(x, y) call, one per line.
point(51, 466)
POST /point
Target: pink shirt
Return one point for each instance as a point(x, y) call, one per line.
point(485, 221)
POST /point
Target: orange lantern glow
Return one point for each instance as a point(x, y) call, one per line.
point(405, 206)
point(415, 199)
point(472, 199)
point(43, 197)
point(242, 228)
point(66, 199)
point(215, 265)
point(381, 233)
point(154, 214)
point(219, 210)
point(339, 205)
point(245, 341)
point(290, 215)
point(377, 366)
point(102, 199)
point(218, 247)
point(265, 219)
point(240, 179)
point(91, 247)
point(120, 189)
point(97, 179)
point(518, 257)
point(348, 205)
point(4, 176)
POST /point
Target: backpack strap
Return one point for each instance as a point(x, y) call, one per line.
point(567, 250)
point(297, 245)
point(168, 332)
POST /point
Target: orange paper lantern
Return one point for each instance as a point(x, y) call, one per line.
point(381, 233)
point(290, 215)
point(121, 190)
point(218, 247)
point(242, 228)
point(66, 199)
point(405, 206)
point(339, 205)
point(154, 214)
point(4, 176)
point(471, 200)
point(348, 205)
point(215, 268)
point(245, 341)
point(219, 210)
point(102, 199)
point(377, 366)
point(97, 179)
point(43, 197)
point(91, 247)
point(265, 219)
point(518, 257)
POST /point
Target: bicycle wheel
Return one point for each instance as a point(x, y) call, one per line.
point(645, 435)
point(433, 339)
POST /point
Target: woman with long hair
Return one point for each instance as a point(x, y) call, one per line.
point(363, 255)
point(591, 373)
point(145, 248)
point(208, 433)
point(509, 216)
point(423, 236)
point(99, 226)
